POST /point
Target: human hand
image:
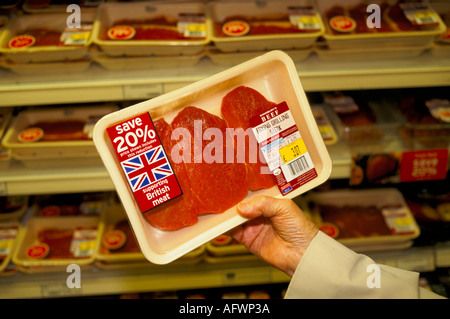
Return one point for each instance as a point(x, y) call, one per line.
point(278, 232)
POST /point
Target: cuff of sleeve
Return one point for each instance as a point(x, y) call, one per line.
point(328, 269)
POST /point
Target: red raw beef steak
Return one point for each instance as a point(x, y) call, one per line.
point(238, 107)
point(182, 211)
point(217, 184)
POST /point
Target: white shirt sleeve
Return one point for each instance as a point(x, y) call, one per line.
point(329, 270)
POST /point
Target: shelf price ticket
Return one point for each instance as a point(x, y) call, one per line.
point(283, 148)
point(144, 162)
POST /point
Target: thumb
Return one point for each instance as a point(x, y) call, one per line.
point(262, 206)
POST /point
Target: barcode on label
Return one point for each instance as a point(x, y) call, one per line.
point(299, 165)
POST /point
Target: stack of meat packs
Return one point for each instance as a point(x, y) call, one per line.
point(212, 187)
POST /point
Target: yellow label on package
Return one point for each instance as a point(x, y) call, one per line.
point(7, 237)
point(293, 150)
point(83, 242)
point(192, 25)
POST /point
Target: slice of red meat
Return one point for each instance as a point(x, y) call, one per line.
point(217, 184)
point(238, 107)
point(182, 211)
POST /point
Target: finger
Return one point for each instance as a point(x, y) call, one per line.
point(237, 233)
point(263, 206)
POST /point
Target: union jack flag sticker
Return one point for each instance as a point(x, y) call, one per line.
point(147, 168)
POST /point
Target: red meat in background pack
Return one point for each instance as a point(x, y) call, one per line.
point(238, 107)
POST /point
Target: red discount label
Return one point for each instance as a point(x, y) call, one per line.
point(144, 162)
point(424, 165)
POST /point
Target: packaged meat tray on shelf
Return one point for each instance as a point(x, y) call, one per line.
point(151, 28)
point(13, 207)
point(424, 120)
point(73, 204)
point(213, 184)
point(55, 136)
point(50, 244)
point(9, 234)
point(401, 23)
point(264, 25)
point(362, 123)
point(46, 38)
point(364, 220)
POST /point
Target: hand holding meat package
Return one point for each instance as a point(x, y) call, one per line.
point(181, 162)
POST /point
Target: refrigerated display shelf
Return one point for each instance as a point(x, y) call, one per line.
point(99, 85)
point(96, 281)
point(20, 180)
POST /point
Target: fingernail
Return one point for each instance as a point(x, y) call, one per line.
point(243, 207)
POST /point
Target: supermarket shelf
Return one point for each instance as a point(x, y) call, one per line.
point(21, 180)
point(100, 85)
point(97, 281)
